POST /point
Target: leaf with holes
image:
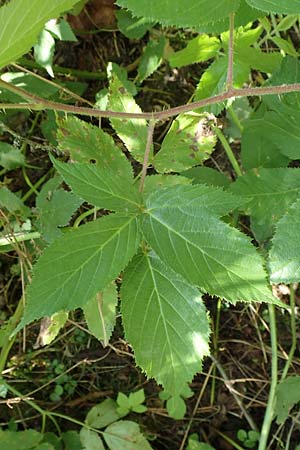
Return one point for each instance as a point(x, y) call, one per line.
point(189, 142)
point(165, 321)
point(99, 186)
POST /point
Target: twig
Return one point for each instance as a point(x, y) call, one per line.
point(37, 103)
point(151, 127)
point(234, 394)
point(229, 82)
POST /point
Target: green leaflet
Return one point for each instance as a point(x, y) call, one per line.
point(12, 202)
point(207, 175)
point(80, 264)
point(206, 251)
point(98, 147)
point(165, 321)
point(284, 256)
point(270, 192)
point(277, 6)
point(181, 13)
point(188, 142)
point(154, 182)
point(201, 48)
point(287, 396)
point(11, 157)
point(151, 58)
point(20, 23)
point(195, 200)
point(100, 313)
point(258, 148)
point(55, 208)
point(132, 132)
point(100, 186)
point(125, 435)
point(91, 440)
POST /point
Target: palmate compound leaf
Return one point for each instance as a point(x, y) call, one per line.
point(20, 23)
point(132, 132)
point(165, 321)
point(206, 251)
point(189, 142)
point(88, 143)
point(181, 13)
point(80, 264)
point(100, 186)
point(276, 6)
point(270, 192)
point(284, 256)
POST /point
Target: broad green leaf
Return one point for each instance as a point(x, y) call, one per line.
point(206, 175)
point(165, 321)
point(199, 49)
point(284, 256)
point(132, 132)
point(181, 13)
point(125, 435)
point(50, 327)
point(132, 27)
point(55, 208)
point(44, 51)
point(28, 83)
point(270, 192)
point(98, 147)
point(91, 440)
point(99, 186)
point(176, 407)
point(20, 23)
point(277, 6)
point(100, 313)
point(23, 440)
point(136, 398)
point(206, 251)
point(151, 58)
point(195, 200)
point(103, 414)
point(12, 202)
point(11, 157)
point(285, 45)
point(287, 396)
point(79, 264)
point(189, 142)
point(154, 182)
point(71, 440)
point(113, 69)
point(259, 149)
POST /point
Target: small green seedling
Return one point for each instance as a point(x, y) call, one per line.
point(248, 438)
point(133, 402)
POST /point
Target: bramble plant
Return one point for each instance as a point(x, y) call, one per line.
point(173, 235)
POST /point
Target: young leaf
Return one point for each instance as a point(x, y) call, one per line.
point(125, 435)
point(287, 395)
point(22, 21)
point(98, 147)
point(99, 186)
point(151, 58)
point(269, 193)
point(11, 157)
point(181, 13)
point(284, 257)
point(100, 313)
point(136, 398)
point(156, 303)
point(206, 251)
point(103, 414)
point(55, 208)
point(188, 142)
point(276, 6)
point(199, 49)
point(132, 132)
point(80, 264)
